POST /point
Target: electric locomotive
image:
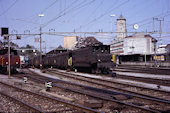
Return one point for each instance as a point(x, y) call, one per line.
point(14, 60)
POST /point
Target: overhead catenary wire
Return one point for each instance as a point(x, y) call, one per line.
point(61, 13)
point(93, 12)
point(84, 6)
point(9, 8)
point(34, 16)
point(53, 3)
point(64, 12)
point(102, 15)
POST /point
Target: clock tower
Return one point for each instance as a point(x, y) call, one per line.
point(121, 28)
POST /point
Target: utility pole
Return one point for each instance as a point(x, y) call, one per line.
point(112, 16)
point(40, 49)
point(154, 43)
point(44, 46)
point(40, 15)
point(9, 62)
point(160, 28)
point(160, 33)
point(153, 25)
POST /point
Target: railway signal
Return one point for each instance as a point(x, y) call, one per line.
point(18, 37)
point(48, 85)
point(4, 31)
point(25, 79)
point(75, 70)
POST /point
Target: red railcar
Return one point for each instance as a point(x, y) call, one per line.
point(14, 60)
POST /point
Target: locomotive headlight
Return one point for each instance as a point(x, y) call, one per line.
point(99, 60)
point(6, 62)
point(16, 62)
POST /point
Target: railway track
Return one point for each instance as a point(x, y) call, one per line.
point(11, 104)
point(111, 84)
point(37, 102)
point(142, 69)
point(110, 97)
point(146, 80)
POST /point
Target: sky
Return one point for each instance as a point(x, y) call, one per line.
point(21, 17)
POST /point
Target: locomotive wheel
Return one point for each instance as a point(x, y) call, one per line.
point(93, 71)
point(105, 71)
point(98, 71)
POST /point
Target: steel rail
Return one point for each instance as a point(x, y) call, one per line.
point(143, 69)
point(96, 96)
point(58, 100)
point(23, 103)
point(145, 79)
point(131, 93)
point(104, 80)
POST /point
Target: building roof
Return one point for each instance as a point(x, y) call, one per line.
point(57, 50)
point(142, 35)
point(121, 17)
point(89, 41)
point(60, 47)
point(168, 45)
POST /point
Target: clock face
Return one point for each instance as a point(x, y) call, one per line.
point(135, 26)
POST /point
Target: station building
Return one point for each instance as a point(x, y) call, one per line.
point(137, 43)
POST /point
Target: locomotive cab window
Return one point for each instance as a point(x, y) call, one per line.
point(1, 52)
point(95, 49)
point(13, 52)
point(4, 51)
point(106, 49)
point(70, 55)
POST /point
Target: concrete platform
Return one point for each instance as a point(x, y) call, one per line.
point(166, 77)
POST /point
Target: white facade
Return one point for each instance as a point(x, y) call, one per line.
point(116, 47)
point(139, 43)
point(161, 49)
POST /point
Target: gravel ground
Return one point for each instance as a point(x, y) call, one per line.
point(136, 101)
point(78, 98)
point(39, 102)
point(36, 87)
point(134, 89)
point(9, 105)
